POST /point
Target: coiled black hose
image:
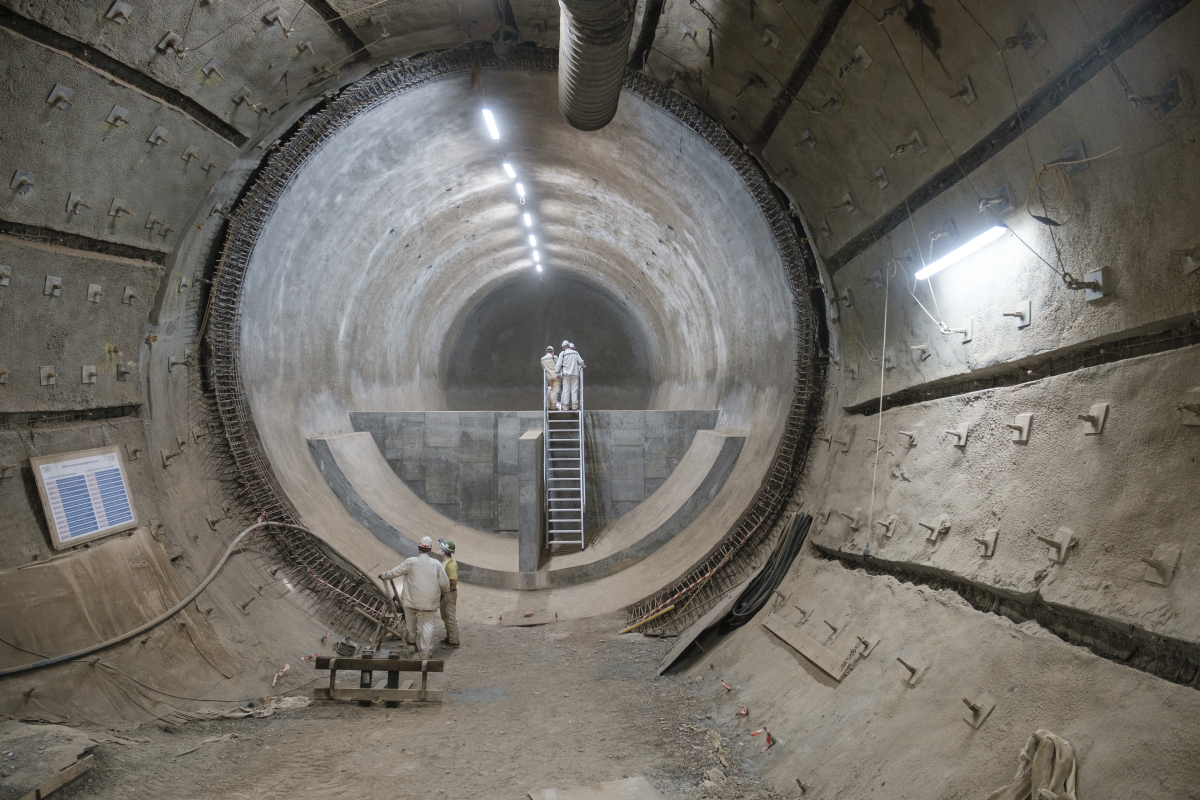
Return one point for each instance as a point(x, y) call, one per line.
point(766, 582)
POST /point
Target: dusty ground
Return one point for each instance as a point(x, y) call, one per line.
point(566, 704)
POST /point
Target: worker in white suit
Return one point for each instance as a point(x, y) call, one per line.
point(553, 382)
point(425, 581)
point(570, 367)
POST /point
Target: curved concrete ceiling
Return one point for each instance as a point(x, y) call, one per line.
point(403, 222)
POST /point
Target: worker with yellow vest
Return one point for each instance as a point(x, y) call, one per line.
point(450, 598)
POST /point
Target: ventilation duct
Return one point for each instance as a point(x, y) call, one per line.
point(592, 51)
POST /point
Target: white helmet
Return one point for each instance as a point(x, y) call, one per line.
point(566, 343)
point(426, 543)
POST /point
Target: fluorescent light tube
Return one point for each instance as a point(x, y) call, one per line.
point(491, 124)
point(532, 241)
point(536, 257)
point(508, 170)
point(954, 256)
point(521, 190)
point(539, 266)
point(528, 221)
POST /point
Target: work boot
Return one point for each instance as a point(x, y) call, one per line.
point(448, 643)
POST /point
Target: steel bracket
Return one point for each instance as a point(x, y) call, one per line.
point(1020, 428)
point(1095, 418)
point(978, 709)
point(1162, 563)
point(988, 540)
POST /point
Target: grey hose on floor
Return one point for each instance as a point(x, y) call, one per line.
point(161, 618)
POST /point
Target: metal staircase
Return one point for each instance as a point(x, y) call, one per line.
point(566, 495)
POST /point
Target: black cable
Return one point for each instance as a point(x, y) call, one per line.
point(766, 582)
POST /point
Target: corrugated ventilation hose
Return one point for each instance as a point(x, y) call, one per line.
point(593, 46)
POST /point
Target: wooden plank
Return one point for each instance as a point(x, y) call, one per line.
point(382, 664)
point(431, 696)
point(820, 655)
point(61, 779)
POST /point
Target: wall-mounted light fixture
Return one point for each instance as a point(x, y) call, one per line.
point(954, 256)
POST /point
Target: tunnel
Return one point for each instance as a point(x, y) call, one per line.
point(885, 451)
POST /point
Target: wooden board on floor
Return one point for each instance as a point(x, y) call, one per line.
point(820, 655)
point(517, 619)
point(628, 789)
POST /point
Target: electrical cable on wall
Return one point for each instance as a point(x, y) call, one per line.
point(161, 618)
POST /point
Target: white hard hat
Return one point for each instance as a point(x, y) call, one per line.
point(550, 349)
point(426, 543)
point(566, 343)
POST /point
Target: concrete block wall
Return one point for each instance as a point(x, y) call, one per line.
point(464, 463)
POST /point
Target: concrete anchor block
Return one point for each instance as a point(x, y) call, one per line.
point(1020, 428)
point(89, 373)
point(167, 457)
point(965, 93)
point(1095, 418)
point(129, 295)
point(988, 540)
point(834, 630)
point(1162, 563)
point(1099, 281)
point(174, 362)
point(889, 525)
point(912, 437)
point(191, 154)
point(158, 136)
point(823, 515)
point(959, 434)
point(968, 330)
point(60, 97)
point(49, 376)
point(916, 669)
point(125, 369)
point(54, 286)
point(22, 181)
point(1023, 312)
point(94, 292)
point(807, 138)
point(854, 518)
point(915, 143)
point(212, 69)
point(118, 208)
point(173, 42)
point(76, 203)
point(117, 117)
point(978, 709)
point(936, 528)
point(120, 13)
point(868, 644)
point(1062, 541)
point(1189, 404)
point(922, 349)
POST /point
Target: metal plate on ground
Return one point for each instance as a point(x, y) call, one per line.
point(517, 619)
point(715, 615)
point(628, 789)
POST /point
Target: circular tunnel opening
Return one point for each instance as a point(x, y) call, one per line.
point(493, 361)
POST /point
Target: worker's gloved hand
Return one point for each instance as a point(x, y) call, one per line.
point(381, 576)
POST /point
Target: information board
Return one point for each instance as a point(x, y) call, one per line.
point(85, 495)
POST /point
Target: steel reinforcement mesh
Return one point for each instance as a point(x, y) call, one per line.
point(726, 565)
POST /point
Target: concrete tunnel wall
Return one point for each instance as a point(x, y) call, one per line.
point(1130, 714)
point(378, 249)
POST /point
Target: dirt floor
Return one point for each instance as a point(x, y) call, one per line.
point(566, 704)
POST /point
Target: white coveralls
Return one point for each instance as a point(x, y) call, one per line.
point(570, 366)
point(424, 581)
point(553, 383)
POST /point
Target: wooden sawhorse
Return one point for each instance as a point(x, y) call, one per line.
point(392, 694)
